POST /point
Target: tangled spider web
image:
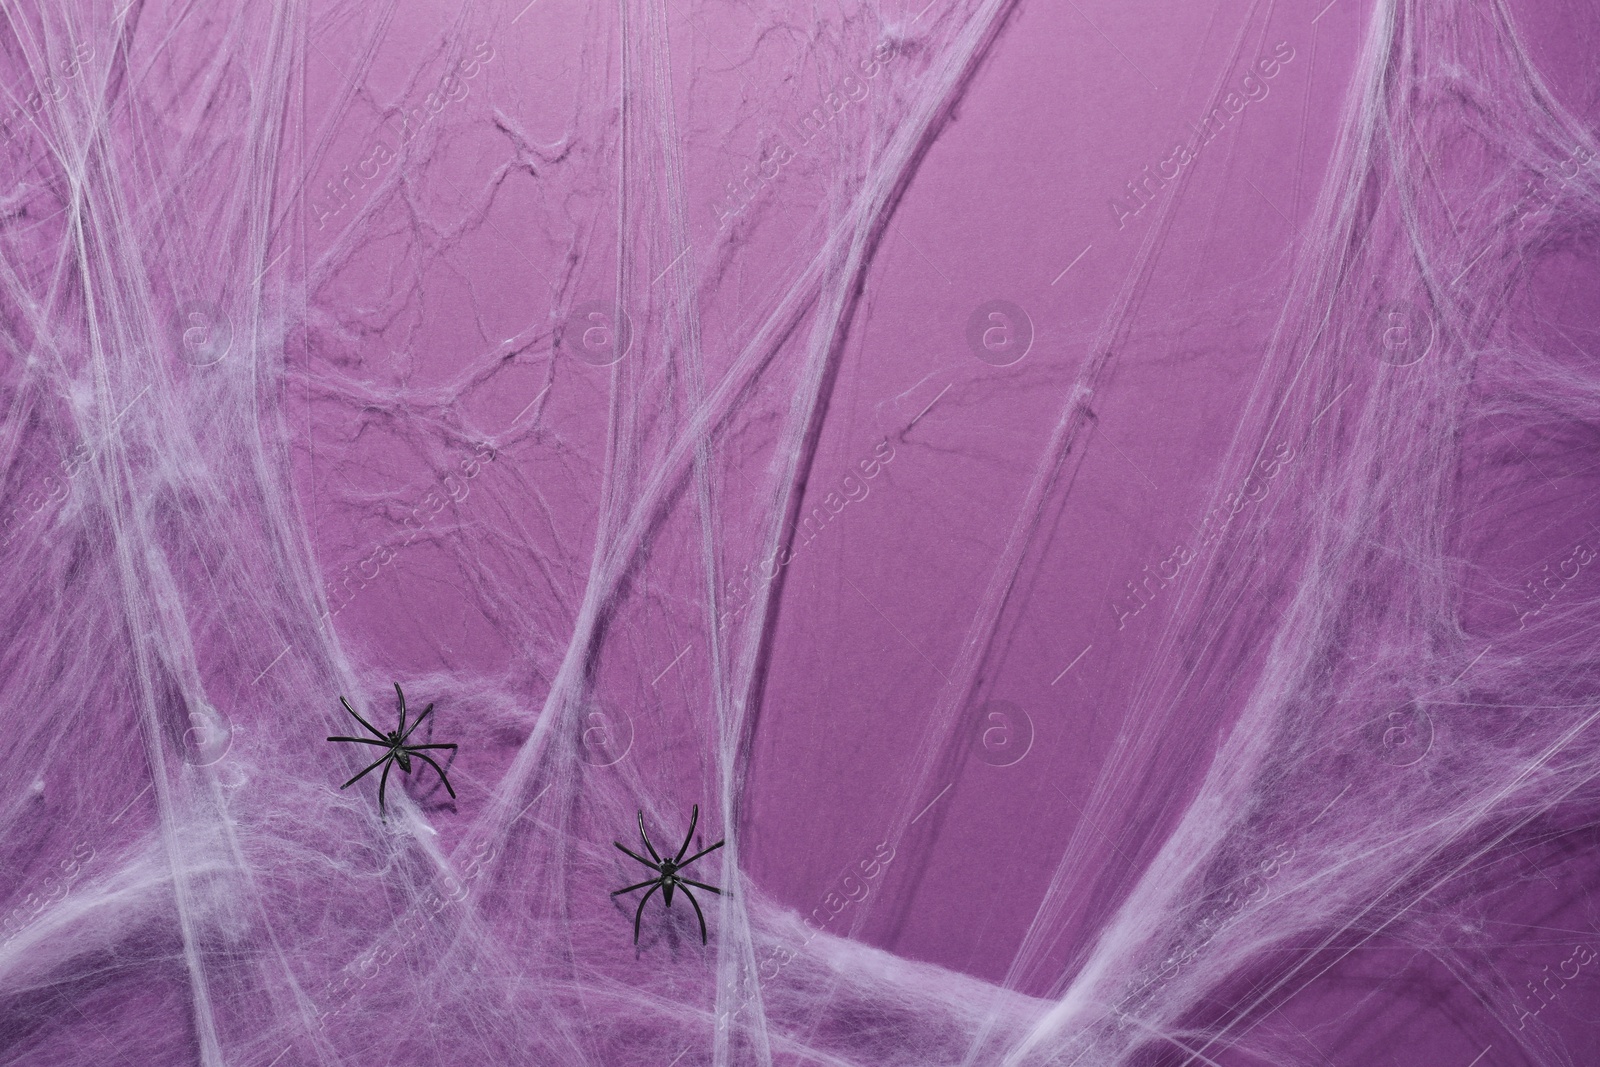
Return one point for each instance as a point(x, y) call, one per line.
point(580, 370)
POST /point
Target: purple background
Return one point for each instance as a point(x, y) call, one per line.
point(449, 460)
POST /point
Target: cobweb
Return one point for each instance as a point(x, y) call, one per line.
point(578, 368)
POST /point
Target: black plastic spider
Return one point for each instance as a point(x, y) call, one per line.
point(668, 879)
point(399, 752)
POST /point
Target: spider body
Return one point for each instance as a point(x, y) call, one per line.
point(397, 753)
point(668, 879)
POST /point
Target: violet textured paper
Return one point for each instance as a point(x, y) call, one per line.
point(1091, 503)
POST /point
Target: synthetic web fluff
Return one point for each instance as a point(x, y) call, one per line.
point(183, 880)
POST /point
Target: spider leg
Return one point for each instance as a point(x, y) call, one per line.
point(435, 766)
point(362, 741)
point(694, 820)
point(637, 856)
point(698, 914)
point(646, 837)
point(383, 783)
point(631, 888)
point(413, 748)
point(359, 719)
point(405, 733)
point(370, 767)
point(698, 885)
point(688, 837)
point(402, 698)
point(702, 852)
point(638, 915)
